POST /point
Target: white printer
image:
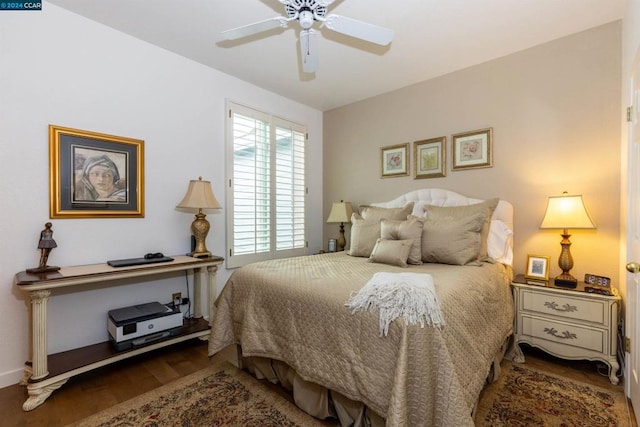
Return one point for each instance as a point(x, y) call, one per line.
point(142, 324)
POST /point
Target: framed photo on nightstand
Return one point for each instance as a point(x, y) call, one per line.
point(537, 267)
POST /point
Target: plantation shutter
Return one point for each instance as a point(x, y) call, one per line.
point(267, 189)
point(290, 188)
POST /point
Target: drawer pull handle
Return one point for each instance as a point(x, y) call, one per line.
point(566, 335)
point(565, 308)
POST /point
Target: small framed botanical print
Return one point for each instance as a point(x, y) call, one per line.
point(429, 158)
point(472, 150)
point(394, 160)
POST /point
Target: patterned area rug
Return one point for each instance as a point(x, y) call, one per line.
point(222, 395)
point(526, 397)
point(216, 396)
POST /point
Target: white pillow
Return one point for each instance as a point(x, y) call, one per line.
point(419, 209)
point(499, 242)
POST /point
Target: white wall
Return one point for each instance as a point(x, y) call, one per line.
point(59, 68)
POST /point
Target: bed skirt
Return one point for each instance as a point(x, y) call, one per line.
point(322, 403)
point(314, 399)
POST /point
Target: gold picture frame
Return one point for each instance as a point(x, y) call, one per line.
point(429, 158)
point(394, 160)
point(472, 150)
point(95, 175)
point(537, 267)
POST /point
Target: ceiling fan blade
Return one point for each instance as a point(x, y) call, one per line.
point(309, 51)
point(358, 29)
point(255, 28)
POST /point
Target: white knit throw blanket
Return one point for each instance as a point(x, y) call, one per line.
point(410, 295)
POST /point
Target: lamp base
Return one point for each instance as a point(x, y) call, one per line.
point(565, 262)
point(199, 230)
point(342, 242)
point(566, 281)
point(200, 254)
point(45, 269)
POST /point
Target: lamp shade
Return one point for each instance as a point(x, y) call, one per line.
point(566, 212)
point(340, 212)
point(199, 196)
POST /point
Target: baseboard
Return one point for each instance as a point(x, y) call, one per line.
point(11, 377)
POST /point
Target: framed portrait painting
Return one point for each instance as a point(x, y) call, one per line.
point(394, 161)
point(95, 175)
point(429, 158)
point(472, 150)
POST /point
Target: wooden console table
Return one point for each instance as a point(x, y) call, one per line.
point(46, 373)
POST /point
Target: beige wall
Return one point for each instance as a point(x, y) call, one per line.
point(555, 112)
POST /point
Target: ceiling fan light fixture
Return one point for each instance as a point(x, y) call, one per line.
point(306, 19)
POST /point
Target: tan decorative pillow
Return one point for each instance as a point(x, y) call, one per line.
point(364, 235)
point(374, 213)
point(410, 229)
point(392, 252)
point(458, 212)
point(452, 241)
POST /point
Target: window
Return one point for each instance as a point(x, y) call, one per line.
point(266, 198)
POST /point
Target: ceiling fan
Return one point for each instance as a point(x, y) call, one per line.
point(307, 12)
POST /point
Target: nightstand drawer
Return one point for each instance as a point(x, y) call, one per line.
point(564, 333)
point(590, 310)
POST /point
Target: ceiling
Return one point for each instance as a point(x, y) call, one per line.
point(432, 38)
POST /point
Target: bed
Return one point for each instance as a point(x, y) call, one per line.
point(290, 320)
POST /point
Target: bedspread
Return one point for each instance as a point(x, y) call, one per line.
point(293, 310)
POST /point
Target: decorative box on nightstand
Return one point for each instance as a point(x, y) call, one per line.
point(567, 323)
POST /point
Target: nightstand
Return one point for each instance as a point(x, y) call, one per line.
point(567, 323)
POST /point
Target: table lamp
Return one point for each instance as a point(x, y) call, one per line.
point(199, 196)
point(340, 212)
point(564, 212)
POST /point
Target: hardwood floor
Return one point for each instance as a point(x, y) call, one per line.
point(94, 391)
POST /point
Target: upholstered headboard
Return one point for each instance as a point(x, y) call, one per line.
point(501, 230)
point(441, 197)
